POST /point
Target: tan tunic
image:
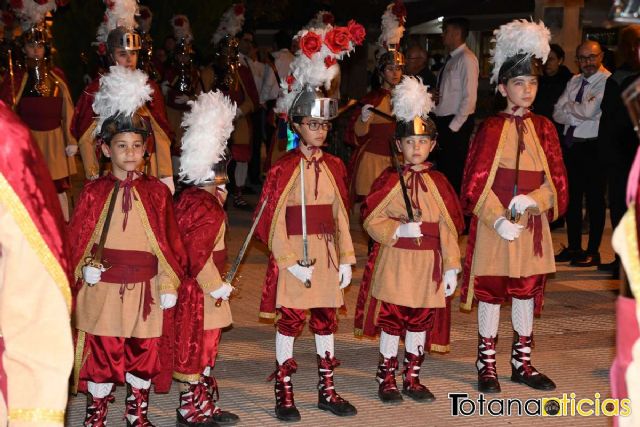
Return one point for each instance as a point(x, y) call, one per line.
point(159, 164)
point(34, 322)
point(100, 308)
point(210, 280)
point(495, 256)
point(52, 143)
point(371, 165)
point(324, 291)
point(242, 126)
point(404, 276)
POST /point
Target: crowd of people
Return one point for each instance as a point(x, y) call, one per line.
point(136, 267)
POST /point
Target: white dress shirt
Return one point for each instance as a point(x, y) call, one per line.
point(257, 70)
point(585, 115)
point(282, 60)
point(458, 87)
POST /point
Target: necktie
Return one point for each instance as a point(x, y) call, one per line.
point(441, 75)
point(568, 137)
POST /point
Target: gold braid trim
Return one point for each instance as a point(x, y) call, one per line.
point(383, 204)
point(545, 165)
point(185, 378)
point(174, 279)
point(37, 415)
point(266, 315)
point(78, 361)
point(630, 231)
point(282, 202)
point(494, 169)
point(440, 202)
point(94, 236)
point(440, 348)
point(14, 205)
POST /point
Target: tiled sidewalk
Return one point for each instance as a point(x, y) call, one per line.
point(574, 346)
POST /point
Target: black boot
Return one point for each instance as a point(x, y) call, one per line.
point(411, 378)
point(97, 410)
point(285, 406)
point(522, 371)
point(328, 397)
point(137, 407)
point(195, 407)
point(386, 377)
point(223, 418)
point(486, 365)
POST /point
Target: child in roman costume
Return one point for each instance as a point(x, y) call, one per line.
point(413, 266)
point(308, 274)
point(514, 185)
point(128, 258)
point(202, 223)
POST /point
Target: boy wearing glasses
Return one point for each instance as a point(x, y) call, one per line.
point(305, 192)
point(514, 184)
point(128, 260)
point(415, 260)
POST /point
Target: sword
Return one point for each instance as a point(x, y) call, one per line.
point(511, 214)
point(96, 260)
point(11, 78)
point(305, 261)
point(231, 274)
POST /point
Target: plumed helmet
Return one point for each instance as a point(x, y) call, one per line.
point(313, 103)
point(123, 38)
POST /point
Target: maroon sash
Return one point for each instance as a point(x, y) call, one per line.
point(41, 113)
point(430, 241)
point(319, 220)
point(528, 181)
point(379, 136)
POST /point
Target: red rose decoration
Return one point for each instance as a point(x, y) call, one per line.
point(178, 22)
point(399, 10)
point(102, 49)
point(328, 18)
point(16, 4)
point(41, 2)
point(338, 39)
point(310, 43)
point(290, 80)
point(357, 32)
point(238, 9)
point(329, 61)
point(110, 4)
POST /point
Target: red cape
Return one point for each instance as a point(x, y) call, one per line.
point(200, 217)
point(84, 116)
point(279, 176)
point(156, 199)
point(479, 173)
point(18, 75)
point(28, 193)
point(365, 316)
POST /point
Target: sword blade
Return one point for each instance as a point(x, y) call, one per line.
point(303, 210)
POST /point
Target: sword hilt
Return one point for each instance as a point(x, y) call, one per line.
point(103, 265)
point(219, 300)
point(307, 263)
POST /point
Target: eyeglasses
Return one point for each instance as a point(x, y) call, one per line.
point(590, 58)
point(318, 125)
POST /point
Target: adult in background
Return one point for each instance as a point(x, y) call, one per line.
point(578, 109)
point(417, 64)
point(456, 93)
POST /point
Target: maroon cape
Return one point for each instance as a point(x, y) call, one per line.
point(84, 116)
point(156, 199)
point(477, 178)
point(26, 188)
point(278, 178)
point(200, 217)
point(364, 321)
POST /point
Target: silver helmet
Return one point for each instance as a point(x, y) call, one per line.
point(312, 103)
point(123, 38)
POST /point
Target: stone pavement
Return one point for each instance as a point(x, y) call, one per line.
point(575, 340)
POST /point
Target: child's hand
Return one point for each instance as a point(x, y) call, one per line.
point(301, 273)
point(410, 229)
point(450, 280)
point(507, 230)
point(345, 274)
point(522, 203)
point(168, 301)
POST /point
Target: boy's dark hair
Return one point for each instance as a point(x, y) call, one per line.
point(461, 23)
point(557, 49)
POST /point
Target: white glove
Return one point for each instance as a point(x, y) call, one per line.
point(345, 274)
point(94, 177)
point(410, 229)
point(91, 275)
point(450, 282)
point(168, 301)
point(522, 203)
point(181, 99)
point(71, 150)
point(366, 113)
point(223, 292)
point(301, 273)
point(165, 87)
point(168, 181)
point(506, 229)
point(222, 187)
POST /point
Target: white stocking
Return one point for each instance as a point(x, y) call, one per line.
point(488, 319)
point(284, 348)
point(522, 316)
point(324, 344)
point(414, 342)
point(389, 345)
point(136, 382)
point(99, 390)
point(242, 169)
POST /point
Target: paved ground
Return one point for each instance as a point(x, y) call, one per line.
point(574, 338)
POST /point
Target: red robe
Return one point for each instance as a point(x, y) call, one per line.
point(365, 308)
point(278, 179)
point(156, 198)
point(200, 216)
point(84, 116)
point(483, 158)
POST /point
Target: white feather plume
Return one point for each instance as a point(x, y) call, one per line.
point(318, 21)
point(121, 13)
point(519, 37)
point(208, 126)
point(122, 90)
point(230, 24)
point(181, 31)
point(410, 99)
point(392, 28)
point(32, 13)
